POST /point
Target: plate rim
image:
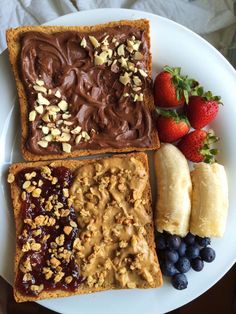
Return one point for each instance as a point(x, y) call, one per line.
point(166, 20)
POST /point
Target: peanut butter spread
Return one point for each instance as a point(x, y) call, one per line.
point(113, 209)
point(86, 90)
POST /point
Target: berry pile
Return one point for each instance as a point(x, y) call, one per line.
point(178, 255)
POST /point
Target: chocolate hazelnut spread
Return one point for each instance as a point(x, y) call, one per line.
point(102, 79)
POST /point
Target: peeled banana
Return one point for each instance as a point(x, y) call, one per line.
point(209, 200)
point(173, 191)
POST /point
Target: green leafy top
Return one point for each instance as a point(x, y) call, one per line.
point(208, 152)
point(173, 114)
point(183, 84)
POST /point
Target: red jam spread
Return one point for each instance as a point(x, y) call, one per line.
point(48, 231)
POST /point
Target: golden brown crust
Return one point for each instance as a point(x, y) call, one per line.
point(73, 165)
point(13, 36)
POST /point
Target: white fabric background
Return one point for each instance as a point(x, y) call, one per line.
point(215, 20)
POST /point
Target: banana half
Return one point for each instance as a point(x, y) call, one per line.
point(174, 189)
point(209, 200)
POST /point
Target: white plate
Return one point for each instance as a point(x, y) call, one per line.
point(174, 45)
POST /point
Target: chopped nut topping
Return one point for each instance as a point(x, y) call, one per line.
point(68, 279)
point(94, 41)
point(60, 240)
point(121, 50)
point(65, 212)
point(78, 139)
point(32, 115)
point(66, 192)
point(83, 43)
point(39, 82)
point(63, 105)
point(76, 130)
point(143, 73)
point(66, 147)
point(124, 79)
point(58, 277)
point(138, 56)
point(35, 246)
point(39, 109)
point(27, 277)
point(98, 60)
point(37, 288)
point(10, 178)
point(45, 130)
point(36, 192)
point(65, 137)
point(58, 94)
point(55, 262)
point(46, 118)
point(40, 89)
point(137, 80)
point(43, 144)
point(85, 135)
point(67, 230)
point(73, 224)
point(26, 184)
point(42, 100)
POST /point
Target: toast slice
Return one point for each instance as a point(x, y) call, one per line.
point(83, 226)
point(84, 89)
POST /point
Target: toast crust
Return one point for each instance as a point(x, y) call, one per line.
point(13, 42)
point(73, 165)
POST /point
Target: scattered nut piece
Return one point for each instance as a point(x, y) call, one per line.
point(78, 139)
point(45, 130)
point(39, 82)
point(63, 105)
point(65, 137)
point(58, 94)
point(67, 230)
point(39, 109)
point(46, 118)
point(68, 279)
point(85, 135)
point(66, 192)
point(83, 43)
point(26, 184)
point(137, 80)
point(59, 276)
point(73, 224)
point(55, 132)
point(10, 178)
point(32, 115)
point(66, 147)
point(43, 144)
point(138, 56)
point(94, 41)
point(42, 100)
point(40, 89)
point(124, 79)
point(121, 50)
point(35, 246)
point(76, 130)
point(98, 60)
point(60, 240)
point(143, 73)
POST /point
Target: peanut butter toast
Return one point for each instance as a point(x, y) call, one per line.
point(84, 89)
point(83, 226)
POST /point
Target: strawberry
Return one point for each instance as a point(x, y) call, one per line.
point(202, 109)
point(171, 126)
point(196, 146)
point(171, 89)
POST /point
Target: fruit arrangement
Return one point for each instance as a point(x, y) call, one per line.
point(185, 199)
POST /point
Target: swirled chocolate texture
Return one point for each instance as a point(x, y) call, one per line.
point(111, 114)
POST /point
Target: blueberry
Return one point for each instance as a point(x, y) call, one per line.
point(171, 256)
point(179, 281)
point(197, 264)
point(173, 242)
point(203, 242)
point(192, 251)
point(182, 248)
point(169, 269)
point(189, 239)
point(161, 243)
point(183, 265)
point(207, 254)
